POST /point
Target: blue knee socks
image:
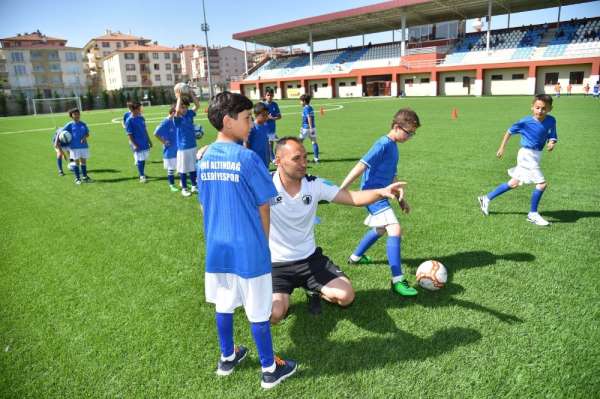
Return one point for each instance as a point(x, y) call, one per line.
point(394, 254)
point(501, 189)
point(59, 163)
point(140, 167)
point(171, 177)
point(316, 150)
point(183, 178)
point(193, 178)
point(225, 333)
point(261, 332)
point(536, 196)
point(367, 241)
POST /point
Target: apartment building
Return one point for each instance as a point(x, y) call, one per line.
point(142, 66)
point(35, 63)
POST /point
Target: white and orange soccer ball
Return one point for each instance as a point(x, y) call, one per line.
point(432, 275)
point(183, 88)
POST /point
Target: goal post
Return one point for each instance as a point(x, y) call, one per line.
point(53, 105)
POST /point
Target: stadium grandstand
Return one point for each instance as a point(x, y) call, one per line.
point(434, 54)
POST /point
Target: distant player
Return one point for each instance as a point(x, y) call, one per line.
point(140, 143)
point(235, 193)
point(569, 89)
point(186, 142)
point(536, 131)
point(308, 125)
point(79, 150)
point(596, 90)
point(60, 149)
point(274, 115)
point(166, 132)
point(586, 89)
point(378, 169)
point(557, 88)
point(258, 139)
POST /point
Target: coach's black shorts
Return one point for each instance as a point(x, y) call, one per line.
point(311, 273)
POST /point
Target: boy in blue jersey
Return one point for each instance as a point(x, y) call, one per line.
point(186, 142)
point(140, 143)
point(258, 138)
point(79, 151)
point(235, 193)
point(166, 132)
point(308, 125)
point(536, 130)
point(60, 149)
point(378, 169)
point(274, 114)
point(596, 90)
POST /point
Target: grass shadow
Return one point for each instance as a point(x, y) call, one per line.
point(313, 346)
point(103, 171)
point(561, 216)
point(116, 179)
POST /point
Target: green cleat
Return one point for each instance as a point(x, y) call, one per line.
point(364, 260)
point(402, 288)
point(173, 188)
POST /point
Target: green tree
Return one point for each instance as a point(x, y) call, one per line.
point(105, 98)
point(3, 109)
point(22, 101)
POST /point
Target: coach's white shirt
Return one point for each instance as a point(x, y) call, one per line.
point(291, 235)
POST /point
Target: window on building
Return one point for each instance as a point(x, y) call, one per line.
point(40, 79)
point(352, 83)
point(169, 77)
point(297, 86)
point(518, 76)
point(56, 79)
point(576, 78)
point(71, 56)
point(157, 78)
point(35, 55)
point(106, 44)
point(39, 68)
point(17, 57)
point(342, 84)
point(424, 80)
point(118, 44)
point(168, 67)
point(167, 56)
point(408, 81)
point(551, 78)
point(55, 67)
point(20, 70)
point(324, 85)
point(497, 77)
point(154, 56)
point(157, 67)
point(131, 78)
point(177, 78)
point(290, 86)
point(105, 53)
point(449, 79)
point(129, 56)
point(130, 67)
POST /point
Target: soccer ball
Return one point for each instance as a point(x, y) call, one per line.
point(432, 275)
point(198, 131)
point(183, 88)
point(64, 137)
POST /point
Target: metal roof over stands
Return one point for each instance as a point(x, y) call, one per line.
point(386, 16)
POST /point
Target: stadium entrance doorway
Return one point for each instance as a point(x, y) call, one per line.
point(378, 85)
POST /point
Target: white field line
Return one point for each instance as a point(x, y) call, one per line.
point(151, 118)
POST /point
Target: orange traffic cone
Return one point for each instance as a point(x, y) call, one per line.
point(454, 113)
point(206, 110)
point(322, 111)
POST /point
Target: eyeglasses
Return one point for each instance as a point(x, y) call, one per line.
point(409, 134)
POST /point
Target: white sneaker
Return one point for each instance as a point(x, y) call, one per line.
point(194, 189)
point(185, 192)
point(484, 204)
point(142, 179)
point(537, 219)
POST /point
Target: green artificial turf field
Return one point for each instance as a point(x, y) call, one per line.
point(102, 290)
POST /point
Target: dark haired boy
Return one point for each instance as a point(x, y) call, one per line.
point(235, 193)
point(137, 134)
point(274, 115)
point(536, 130)
point(378, 169)
point(186, 142)
point(166, 133)
point(308, 125)
point(79, 150)
point(258, 138)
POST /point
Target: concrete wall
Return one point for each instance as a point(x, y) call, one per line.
point(291, 89)
point(321, 92)
point(563, 78)
point(456, 88)
point(507, 85)
point(347, 90)
point(250, 91)
point(416, 88)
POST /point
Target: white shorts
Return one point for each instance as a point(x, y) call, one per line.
point(141, 155)
point(229, 291)
point(186, 160)
point(528, 168)
point(382, 219)
point(272, 137)
point(77, 153)
point(170, 163)
point(312, 133)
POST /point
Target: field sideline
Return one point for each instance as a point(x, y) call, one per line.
point(102, 289)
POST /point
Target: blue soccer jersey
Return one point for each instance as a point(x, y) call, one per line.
point(273, 109)
point(308, 113)
point(78, 131)
point(535, 134)
point(381, 162)
point(186, 136)
point(596, 89)
point(126, 116)
point(136, 128)
point(233, 183)
point(258, 141)
point(167, 131)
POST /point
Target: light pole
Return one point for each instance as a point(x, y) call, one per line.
point(205, 28)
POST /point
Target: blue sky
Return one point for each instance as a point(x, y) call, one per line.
point(170, 25)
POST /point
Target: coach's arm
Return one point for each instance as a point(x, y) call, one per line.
point(366, 197)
